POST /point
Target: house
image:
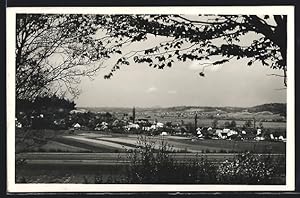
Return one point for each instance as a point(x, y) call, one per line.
point(159, 125)
point(131, 126)
point(146, 128)
point(258, 132)
point(101, 127)
point(226, 133)
point(142, 121)
point(219, 133)
point(156, 126)
point(259, 138)
point(277, 137)
point(164, 133)
point(232, 133)
point(104, 124)
point(153, 127)
point(281, 138)
point(77, 126)
point(222, 133)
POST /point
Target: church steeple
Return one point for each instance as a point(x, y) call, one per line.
point(196, 124)
point(133, 115)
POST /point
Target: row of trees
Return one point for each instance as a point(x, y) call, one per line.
point(232, 124)
point(45, 102)
point(53, 51)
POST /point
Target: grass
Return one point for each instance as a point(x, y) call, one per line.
point(54, 146)
point(86, 145)
point(239, 146)
point(149, 165)
point(212, 146)
point(55, 141)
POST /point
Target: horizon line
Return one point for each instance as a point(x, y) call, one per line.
point(158, 106)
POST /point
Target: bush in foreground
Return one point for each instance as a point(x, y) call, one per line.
point(247, 168)
point(152, 164)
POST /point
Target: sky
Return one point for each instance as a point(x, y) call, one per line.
point(231, 84)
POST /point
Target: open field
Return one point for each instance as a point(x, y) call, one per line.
point(118, 158)
point(89, 157)
point(84, 141)
point(208, 122)
point(86, 167)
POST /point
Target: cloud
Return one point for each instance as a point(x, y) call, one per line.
point(198, 65)
point(195, 65)
point(172, 92)
point(151, 89)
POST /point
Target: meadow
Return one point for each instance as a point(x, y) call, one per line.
point(205, 122)
point(102, 142)
point(49, 156)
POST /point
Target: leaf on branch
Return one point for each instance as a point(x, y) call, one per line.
point(220, 62)
point(108, 76)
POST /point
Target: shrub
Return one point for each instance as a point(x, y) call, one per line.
point(21, 180)
point(20, 161)
point(98, 180)
point(149, 164)
point(85, 180)
point(222, 151)
point(247, 168)
point(156, 165)
point(207, 151)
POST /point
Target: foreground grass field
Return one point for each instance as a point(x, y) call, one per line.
point(107, 167)
point(48, 156)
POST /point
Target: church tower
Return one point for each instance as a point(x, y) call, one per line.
point(196, 122)
point(133, 115)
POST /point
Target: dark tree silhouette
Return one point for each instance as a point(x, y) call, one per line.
point(48, 102)
point(218, 38)
point(214, 123)
point(248, 124)
point(54, 51)
point(233, 124)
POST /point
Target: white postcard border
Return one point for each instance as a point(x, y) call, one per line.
point(290, 145)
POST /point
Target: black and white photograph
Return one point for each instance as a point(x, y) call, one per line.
point(186, 98)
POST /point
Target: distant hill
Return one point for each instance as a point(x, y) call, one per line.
point(275, 108)
point(271, 108)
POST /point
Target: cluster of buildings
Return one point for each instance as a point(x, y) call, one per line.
point(84, 120)
point(235, 134)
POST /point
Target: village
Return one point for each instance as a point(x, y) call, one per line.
point(130, 123)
